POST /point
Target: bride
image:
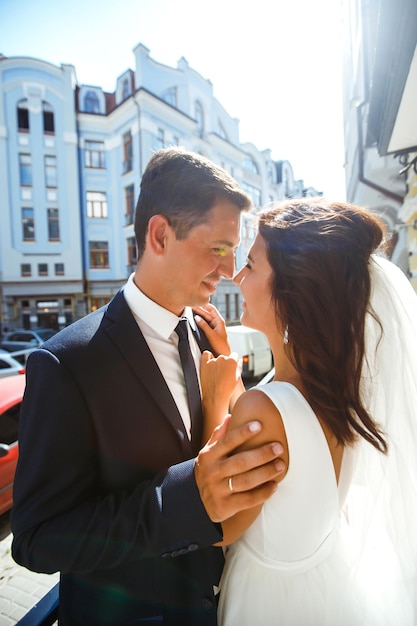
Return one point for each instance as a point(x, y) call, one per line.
point(337, 543)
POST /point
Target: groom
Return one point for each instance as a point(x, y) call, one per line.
point(107, 490)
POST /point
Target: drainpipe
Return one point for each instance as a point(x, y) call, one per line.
point(83, 232)
point(140, 160)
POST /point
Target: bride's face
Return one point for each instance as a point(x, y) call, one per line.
point(254, 280)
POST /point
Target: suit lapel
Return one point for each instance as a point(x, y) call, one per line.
point(125, 333)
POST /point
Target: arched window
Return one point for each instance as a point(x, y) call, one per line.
point(199, 118)
point(91, 103)
point(250, 165)
point(271, 172)
point(287, 179)
point(48, 119)
point(22, 116)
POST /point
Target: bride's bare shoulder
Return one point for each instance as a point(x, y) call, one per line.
point(256, 405)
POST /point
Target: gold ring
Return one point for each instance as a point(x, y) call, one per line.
point(230, 485)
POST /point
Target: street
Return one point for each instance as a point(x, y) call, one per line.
point(20, 589)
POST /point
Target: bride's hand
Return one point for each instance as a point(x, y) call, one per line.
point(214, 327)
point(218, 381)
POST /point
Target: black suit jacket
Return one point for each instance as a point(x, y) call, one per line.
point(104, 489)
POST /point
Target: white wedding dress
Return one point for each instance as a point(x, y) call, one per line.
point(294, 566)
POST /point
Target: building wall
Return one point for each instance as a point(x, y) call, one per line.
point(51, 260)
point(101, 145)
point(372, 180)
point(409, 217)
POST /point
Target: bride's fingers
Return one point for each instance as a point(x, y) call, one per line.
point(212, 327)
point(206, 356)
point(209, 313)
point(202, 321)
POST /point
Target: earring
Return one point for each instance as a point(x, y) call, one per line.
point(286, 334)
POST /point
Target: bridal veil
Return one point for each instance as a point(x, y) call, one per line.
point(382, 503)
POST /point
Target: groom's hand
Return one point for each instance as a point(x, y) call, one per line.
point(230, 481)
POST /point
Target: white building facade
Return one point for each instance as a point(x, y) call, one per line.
point(380, 122)
point(71, 161)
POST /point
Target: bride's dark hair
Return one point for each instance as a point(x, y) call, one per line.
point(319, 252)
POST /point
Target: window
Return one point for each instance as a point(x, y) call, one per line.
point(99, 254)
point(53, 225)
point(9, 428)
point(91, 103)
point(222, 132)
point(227, 306)
point(25, 170)
point(43, 269)
point(199, 118)
point(271, 172)
point(26, 269)
point(50, 171)
point(160, 138)
point(48, 119)
point(250, 165)
point(130, 204)
point(94, 154)
point(28, 224)
point(22, 117)
point(237, 306)
point(170, 96)
point(97, 303)
point(96, 204)
point(253, 192)
point(131, 252)
point(127, 152)
point(126, 88)
point(59, 269)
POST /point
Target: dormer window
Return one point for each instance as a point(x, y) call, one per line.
point(91, 102)
point(126, 88)
point(170, 96)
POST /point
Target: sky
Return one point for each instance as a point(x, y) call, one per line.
point(274, 64)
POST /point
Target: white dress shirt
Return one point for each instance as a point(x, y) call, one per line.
point(158, 327)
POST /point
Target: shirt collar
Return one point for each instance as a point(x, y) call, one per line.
point(161, 320)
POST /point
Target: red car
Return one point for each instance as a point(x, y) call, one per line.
point(11, 394)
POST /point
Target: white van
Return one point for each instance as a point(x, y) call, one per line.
point(253, 348)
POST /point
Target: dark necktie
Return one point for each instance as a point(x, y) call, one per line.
point(191, 383)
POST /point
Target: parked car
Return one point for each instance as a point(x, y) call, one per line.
point(25, 339)
point(11, 394)
point(9, 365)
point(252, 348)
